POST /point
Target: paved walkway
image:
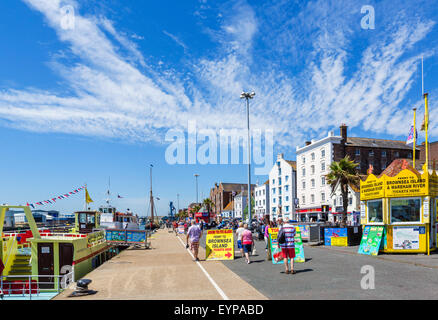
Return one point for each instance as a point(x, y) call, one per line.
point(167, 271)
point(421, 260)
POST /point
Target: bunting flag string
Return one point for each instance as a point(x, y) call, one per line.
point(53, 200)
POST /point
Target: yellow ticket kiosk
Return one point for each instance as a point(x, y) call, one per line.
point(403, 201)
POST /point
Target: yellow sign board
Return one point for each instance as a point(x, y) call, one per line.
point(406, 184)
point(339, 241)
point(372, 188)
point(219, 245)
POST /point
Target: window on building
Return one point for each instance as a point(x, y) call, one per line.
point(279, 171)
point(322, 166)
point(371, 153)
point(263, 191)
point(273, 181)
point(273, 200)
point(278, 163)
point(396, 154)
point(303, 198)
point(273, 190)
point(312, 198)
point(279, 181)
point(286, 178)
point(375, 213)
point(273, 210)
point(279, 190)
point(313, 156)
point(334, 202)
point(287, 188)
point(357, 152)
point(304, 184)
point(264, 202)
point(322, 153)
point(383, 153)
point(323, 181)
point(405, 210)
point(410, 155)
point(287, 198)
point(303, 159)
point(350, 201)
point(304, 172)
point(322, 196)
point(383, 166)
point(287, 208)
point(312, 169)
point(313, 183)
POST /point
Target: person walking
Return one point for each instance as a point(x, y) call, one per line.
point(239, 233)
point(193, 235)
point(288, 247)
point(247, 242)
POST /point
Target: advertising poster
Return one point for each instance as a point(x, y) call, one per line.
point(115, 235)
point(135, 236)
point(219, 245)
point(371, 240)
point(406, 238)
point(305, 232)
point(335, 237)
point(277, 255)
point(181, 229)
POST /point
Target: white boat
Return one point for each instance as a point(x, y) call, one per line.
point(110, 218)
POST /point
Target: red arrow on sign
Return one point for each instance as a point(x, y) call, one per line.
point(228, 255)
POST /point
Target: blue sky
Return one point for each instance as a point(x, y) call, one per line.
point(78, 105)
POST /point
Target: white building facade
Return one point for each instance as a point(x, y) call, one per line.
point(313, 191)
point(261, 200)
point(282, 189)
point(239, 204)
point(353, 209)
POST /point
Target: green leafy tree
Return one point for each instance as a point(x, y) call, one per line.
point(245, 211)
point(343, 173)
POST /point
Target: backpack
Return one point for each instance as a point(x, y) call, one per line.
point(281, 238)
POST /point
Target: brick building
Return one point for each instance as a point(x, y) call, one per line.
point(222, 194)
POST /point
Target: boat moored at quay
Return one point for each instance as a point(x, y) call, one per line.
point(40, 262)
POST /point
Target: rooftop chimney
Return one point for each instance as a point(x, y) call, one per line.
point(343, 131)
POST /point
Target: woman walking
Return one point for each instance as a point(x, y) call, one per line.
point(247, 242)
point(239, 232)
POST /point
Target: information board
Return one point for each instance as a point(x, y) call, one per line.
point(371, 240)
point(277, 255)
point(406, 238)
point(219, 245)
point(336, 237)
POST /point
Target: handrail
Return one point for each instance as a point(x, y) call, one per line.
point(59, 284)
point(8, 255)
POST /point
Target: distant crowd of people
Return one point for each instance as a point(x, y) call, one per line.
point(244, 237)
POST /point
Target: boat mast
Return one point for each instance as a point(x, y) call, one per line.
point(151, 197)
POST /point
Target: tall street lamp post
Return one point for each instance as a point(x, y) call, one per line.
point(247, 96)
point(196, 178)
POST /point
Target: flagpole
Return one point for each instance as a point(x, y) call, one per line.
point(426, 124)
point(415, 133)
point(85, 198)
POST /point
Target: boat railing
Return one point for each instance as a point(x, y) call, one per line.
point(63, 235)
point(11, 250)
point(34, 286)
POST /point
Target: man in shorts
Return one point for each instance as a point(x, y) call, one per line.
point(193, 235)
point(288, 248)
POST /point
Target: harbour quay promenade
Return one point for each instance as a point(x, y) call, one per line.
point(164, 272)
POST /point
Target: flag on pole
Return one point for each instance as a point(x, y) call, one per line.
point(423, 124)
point(87, 197)
point(410, 139)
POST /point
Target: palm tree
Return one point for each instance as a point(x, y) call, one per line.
point(208, 204)
point(343, 173)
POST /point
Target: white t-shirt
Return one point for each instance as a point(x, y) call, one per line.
point(239, 232)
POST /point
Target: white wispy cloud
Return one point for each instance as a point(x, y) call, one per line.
point(115, 93)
